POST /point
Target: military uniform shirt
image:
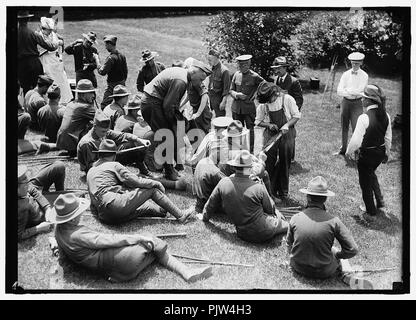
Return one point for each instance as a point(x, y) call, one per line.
point(147, 73)
point(247, 84)
point(115, 67)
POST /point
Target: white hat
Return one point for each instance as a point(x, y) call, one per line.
point(356, 56)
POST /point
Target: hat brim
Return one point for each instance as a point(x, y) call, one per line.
point(83, 91)
point(120, 95)
point(152, 56)
point(25, 16)
point(133, 108)
point(279, 65)
point(54, 218)
point(227, 135)
point(89, 39)
point(236, 164)
point(327, 194)
point(104, 151)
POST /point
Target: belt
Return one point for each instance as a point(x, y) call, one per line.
point(374, 147)
point(352, 99)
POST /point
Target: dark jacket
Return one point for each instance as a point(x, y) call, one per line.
point(146, 74)
point(82, 55)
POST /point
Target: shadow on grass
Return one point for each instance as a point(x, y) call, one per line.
point(296, 168)
point(27, 244)
point(333, 282)
point(80, 277)
point(387, 223)
point(222, 226)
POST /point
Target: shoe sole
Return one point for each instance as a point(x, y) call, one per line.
point(203, 275)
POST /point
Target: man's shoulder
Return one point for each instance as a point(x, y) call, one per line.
point(87, 138)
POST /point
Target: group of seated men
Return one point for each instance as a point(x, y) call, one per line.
point(227, 178)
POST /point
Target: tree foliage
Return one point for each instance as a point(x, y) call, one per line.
point(263, 34)
point(373, 33)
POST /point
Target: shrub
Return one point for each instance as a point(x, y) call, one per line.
point(374, 33)
point(263, 34)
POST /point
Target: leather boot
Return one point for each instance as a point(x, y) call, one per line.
point(170, 172)
point(163, 200)
point(145, 171)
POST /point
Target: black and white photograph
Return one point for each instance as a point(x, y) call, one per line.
point(207, 149)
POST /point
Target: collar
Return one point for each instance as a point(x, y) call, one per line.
point(355, 72)
point(216, 66)
point(316, 205)
point(284, 77)
point(373, 106)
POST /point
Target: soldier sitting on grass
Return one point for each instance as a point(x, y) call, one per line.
point(118, 195)
point(246, 202)
point(120, 257)
point(311, 236)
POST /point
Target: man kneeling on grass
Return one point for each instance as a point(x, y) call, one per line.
point(246, 202)
point(120, 257)
point(118, 195)
point(311, 236)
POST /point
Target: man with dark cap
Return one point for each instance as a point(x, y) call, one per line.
point(115, 67)
point(36, 99)
point(118, 195)
point(31, 204)
point(50, 116)
point(243, 87)
point(150, 69)
point(246, 202)
point(162, 98)
point(116, 108)
point(29, 66)
point(85, 57)
point(288, 83)
point(101, 130)
point(77, 117)
point(219, 83)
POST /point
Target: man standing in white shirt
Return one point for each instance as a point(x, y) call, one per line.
point(350, 87)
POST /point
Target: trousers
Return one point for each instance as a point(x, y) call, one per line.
point(53, 173)
point(350, 111)
point(367, 164)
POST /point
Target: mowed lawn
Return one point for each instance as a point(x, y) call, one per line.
point(319, 135)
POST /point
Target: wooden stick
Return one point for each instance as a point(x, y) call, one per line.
point(131, 149)
point(154, 218)
point(170, 235)
point(289, 208)
point(372, 270)
point(221, 263)
point(206, 261)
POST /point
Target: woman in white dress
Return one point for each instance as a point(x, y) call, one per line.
point(52, 62)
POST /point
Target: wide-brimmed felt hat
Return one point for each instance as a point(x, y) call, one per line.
point(318, 187)
point(244, 57)
point(44, 80)
point(120, 91)
point(279, 62)
point(265, 91)
point(372, 92)
point(221, 122)
point(356, 56)
point(134, 103)
point(23, 14)
point(148, 55)
point(107, 146)
point(84, 85)
point(90, 36)
point(67, 207)
point(235, 129)
point(110, 38)
point(242, 159)
point(22, 174)
point(53, 92)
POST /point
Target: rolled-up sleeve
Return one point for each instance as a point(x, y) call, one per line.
point(358, 135)
point(261, 114)
point(292, 107)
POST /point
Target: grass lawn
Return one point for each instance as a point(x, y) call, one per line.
point(319, 135)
